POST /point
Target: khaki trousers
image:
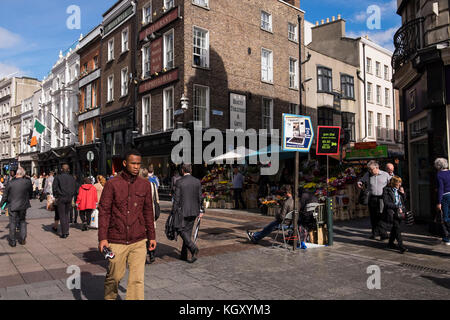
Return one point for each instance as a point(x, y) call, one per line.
point(133, 255)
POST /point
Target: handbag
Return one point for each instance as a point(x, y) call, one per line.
point(170, 228)
point(50, 203)
point(94, 219)
point(363, 198)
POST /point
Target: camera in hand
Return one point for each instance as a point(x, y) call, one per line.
point(108, 253)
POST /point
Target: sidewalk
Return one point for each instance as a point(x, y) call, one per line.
point(229, 267)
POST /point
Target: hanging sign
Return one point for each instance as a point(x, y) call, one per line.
point(297, 133)
point(328, 140)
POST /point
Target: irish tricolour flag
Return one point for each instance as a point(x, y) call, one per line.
point(37, 132)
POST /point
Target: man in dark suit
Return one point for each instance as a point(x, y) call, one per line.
point(63, 191)
point(187, 206)
point(17, 196)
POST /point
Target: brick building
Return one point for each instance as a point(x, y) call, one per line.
point(215, 54)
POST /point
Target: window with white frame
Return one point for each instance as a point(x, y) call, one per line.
point(146, 110)
point(146, 58)
point(124, 82)
point(379, 94)
point(168, 4)
point(266, 65)
point(293, 73)
point(266, 21)
point(379, 125)
point(388, 127)
point(168, 102)
point(369, 92)
point(125, 40)
point(110, 88)
point(370, 123)
point(387, 97)
point(168, 50)
point(267, 113)
point(202, 3)
point(369, 65)
point(110, 49)
point(201, 105)
point(386, 72)
point(292, 32)
point(201, 47)
point(378, 69)
point(147, 13)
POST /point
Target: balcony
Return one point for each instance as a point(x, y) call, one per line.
point(407, 41)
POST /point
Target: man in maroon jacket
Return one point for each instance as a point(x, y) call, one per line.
point(125, 224)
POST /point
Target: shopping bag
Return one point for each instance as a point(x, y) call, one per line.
point(94, 219)
point(50, 203)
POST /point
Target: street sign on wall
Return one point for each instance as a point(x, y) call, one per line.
point(297, 133)
point(328, 140)
point(367, 154)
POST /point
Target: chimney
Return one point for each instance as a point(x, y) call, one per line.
point(339, 16)
point(333, 19)
point(328, 20)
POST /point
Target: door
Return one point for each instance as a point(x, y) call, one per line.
point(420, 172)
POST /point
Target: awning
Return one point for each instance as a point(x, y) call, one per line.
point(236, 154)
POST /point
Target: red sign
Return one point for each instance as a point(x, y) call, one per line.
point(161, 23)
point(156, 56)
point(365, 145)
point(159, 81)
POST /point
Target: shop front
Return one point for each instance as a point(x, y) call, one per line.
point(53, 159)
point(86, 168)
point(9, 164)
point(30, 163)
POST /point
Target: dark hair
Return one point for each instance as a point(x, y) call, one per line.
point(150, 168)
point(87, 180)
point(187, 168)
point(287, 189)
point(132, 152)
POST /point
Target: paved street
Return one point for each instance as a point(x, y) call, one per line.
point(229, 267)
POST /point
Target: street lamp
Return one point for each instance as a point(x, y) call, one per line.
point(184, 107)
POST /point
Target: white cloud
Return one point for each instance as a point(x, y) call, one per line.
point(384, 38)
point(10, 70)
point(9, 39)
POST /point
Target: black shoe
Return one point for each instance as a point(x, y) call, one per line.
point(64, 236)
point(70, 221)
point(152, 256)
point(84, 227)
point(55, 229)
point(194, 253)
point(392, 246)
point(402, 249)
point(251, 237)
point(23, 242)
point(382, 238)
point(183, 258)
point(11, 243)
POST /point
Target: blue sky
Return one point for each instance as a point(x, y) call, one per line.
point(32, 32)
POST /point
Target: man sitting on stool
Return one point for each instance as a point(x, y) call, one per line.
point(288, 206)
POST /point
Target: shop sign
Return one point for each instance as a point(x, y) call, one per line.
point(116, 124)
point(362, 154)
point(156, 56)
point(297, 133)
point(238, 111)
point(217, 113)
point(118, 20)
point(365, 145)
point(159, 81)
point(328, 140)
point(161, 23)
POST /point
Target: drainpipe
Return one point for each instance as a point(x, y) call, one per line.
point(365, 91)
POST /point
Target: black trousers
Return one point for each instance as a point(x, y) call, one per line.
point(17, 218)
point(396, 233)
point(63, 209)
point(74, 215)
point(186, 235)
point(378, 225)
point(85, 216)
point(238, 197)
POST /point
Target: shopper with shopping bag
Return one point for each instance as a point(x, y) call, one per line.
point(86, 202)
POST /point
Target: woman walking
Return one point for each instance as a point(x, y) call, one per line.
point(443, 178)
point(99, 186)
point(394, 209)
point(86, 202)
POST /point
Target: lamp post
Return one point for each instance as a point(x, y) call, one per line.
point(184, 106)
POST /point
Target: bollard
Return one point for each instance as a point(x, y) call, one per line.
point(330, 220)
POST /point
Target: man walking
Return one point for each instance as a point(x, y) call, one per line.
point(126, 222)
point(17, 196)
point(375, 180)
point(187, 206)
point(151, 176)
point(238, 185)
point(63, 191)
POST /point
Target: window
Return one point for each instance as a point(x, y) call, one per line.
point(146, 61)
point(386, 97)
point(266, 65)
point(379, 125)
point(293, 73)
point(84, 133)
point(85, 68)
point(168, 50)
point(347, 86)
point(386, 73)
point(388, 127)
point(124, 82)
point(379, 94)
point(325, 116)
point(88, 97)
point(201, 47)
point(201, 105)
point(292, 32)
point(95, 62)
point(294, 108)
point(370, 123)
point(202, 3)
point(94, 94)
point(168, 102)
point(146, 110)
point(110, 49)
point(125, 40)
point(369, 92)
point(266, 21)
point(110, 88)
point(348, 124)
point(168, 4)
point(147, 13)
point(378, 69)
point(324, 80)
point(267, 113)
point(369, 65)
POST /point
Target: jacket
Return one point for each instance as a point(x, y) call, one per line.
point(17, 194)
point(87, 197)
point(99, 188)
point(64, 187)
point(390, 212)
point(288, 206)
point(126, 210)
point(188, 199)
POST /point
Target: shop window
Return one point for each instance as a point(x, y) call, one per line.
point(325, 116)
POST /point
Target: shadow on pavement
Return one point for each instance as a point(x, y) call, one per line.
point(443, 282)
point(49, 228)
point(92, 287)
point(163, 250)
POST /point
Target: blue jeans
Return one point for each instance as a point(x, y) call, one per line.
point(266, 231)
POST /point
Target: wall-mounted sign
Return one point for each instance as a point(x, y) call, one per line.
point(156, 56)
point(238, 111)
point(365, 145)
point(363, 154)
point(159, 81)
point(217, 113)
point(328, 140)
point(118, 20)
point(297, 133)
point(160, 23)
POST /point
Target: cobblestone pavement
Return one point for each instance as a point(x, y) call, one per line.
point(229, 267)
